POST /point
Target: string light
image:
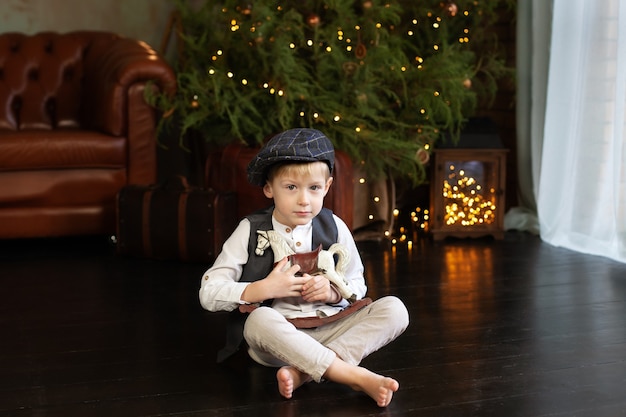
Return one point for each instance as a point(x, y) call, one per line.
point(235, 26)
point(465, 203)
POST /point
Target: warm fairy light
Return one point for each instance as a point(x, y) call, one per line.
point(466, 206)
point(467, 203)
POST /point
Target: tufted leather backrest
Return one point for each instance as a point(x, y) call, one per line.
point(73, 80)
point(40, 80)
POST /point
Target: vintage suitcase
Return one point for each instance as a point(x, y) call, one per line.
point(174, 221)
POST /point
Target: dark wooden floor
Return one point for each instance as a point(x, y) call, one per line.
point(499, 328)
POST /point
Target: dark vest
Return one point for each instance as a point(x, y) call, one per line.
point(258, 267)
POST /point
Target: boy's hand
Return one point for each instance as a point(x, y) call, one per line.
point(278, 284)
point(318, 288)
point(284, 283)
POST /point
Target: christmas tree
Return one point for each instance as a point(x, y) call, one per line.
point(383, 79)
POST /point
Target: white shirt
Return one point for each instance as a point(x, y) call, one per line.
point(220, 289)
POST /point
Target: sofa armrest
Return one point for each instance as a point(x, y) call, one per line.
point(112, 65)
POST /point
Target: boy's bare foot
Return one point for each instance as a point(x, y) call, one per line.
point(379, 388)
point(289, 379)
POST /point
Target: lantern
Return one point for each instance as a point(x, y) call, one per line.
point(468, 185)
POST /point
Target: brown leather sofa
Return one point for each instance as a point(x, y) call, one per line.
point(225, 170)
point(74, 129)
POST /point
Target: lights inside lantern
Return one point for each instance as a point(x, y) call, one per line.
point(467, 203)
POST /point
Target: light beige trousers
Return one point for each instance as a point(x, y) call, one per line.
point(273, 341)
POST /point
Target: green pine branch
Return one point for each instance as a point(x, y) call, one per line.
point(383, 79)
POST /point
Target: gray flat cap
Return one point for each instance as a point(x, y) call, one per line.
point(296, 145)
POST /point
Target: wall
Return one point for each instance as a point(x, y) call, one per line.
point(140, 19)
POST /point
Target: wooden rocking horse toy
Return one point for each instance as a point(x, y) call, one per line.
point(318, 261)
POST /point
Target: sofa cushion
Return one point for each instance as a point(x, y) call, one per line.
point(61, 188)
point(60, 149)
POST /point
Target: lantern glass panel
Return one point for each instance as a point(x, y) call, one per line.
point(469, 191)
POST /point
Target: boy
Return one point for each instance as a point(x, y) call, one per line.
point(294, 168)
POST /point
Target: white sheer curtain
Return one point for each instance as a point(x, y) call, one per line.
point(581, 201)
point(578, 164)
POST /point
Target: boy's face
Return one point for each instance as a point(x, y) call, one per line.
point(298, 191)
